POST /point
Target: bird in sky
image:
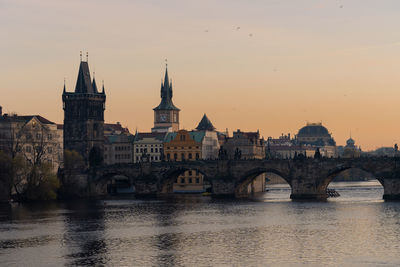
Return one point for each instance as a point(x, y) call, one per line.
point(237, 28)
point(251, 35)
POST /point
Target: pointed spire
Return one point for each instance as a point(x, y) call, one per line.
point(84, 83)
point(166, 93)
point(94, 85)
point(103, 90)
point(166, 79)
point(64, 90)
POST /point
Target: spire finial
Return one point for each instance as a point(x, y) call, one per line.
point(166, 63)
point(87, 56)
point(93, 74)
point(80, 55)
point(64, 90)
point(103, 87)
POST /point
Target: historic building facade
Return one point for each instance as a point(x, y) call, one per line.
point(84, 116)
point(351, 150)
point(316, 136)
point(118, 143)
point(209, 142)
point(284, 147)
point(247, 145)
point(148, 147)
point(180, 146)
point(37, 139)
point(166, 114)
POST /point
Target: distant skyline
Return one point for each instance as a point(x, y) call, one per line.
point(267, 65)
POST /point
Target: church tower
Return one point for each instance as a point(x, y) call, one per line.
point(166, 115)
point(84, 117)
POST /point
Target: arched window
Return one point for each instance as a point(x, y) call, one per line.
point(190, 156)
point(175, 156)
point(182, 156)
point(197, 156)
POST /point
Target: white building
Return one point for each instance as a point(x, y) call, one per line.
point(148, 147)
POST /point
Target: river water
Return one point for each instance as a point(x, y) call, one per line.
point(356, 229)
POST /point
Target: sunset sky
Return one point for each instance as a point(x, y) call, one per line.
point(291, 61)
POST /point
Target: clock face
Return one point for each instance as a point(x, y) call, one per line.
point(163, 117)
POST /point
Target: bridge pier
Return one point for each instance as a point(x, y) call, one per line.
point(307, 190)
point(391, 189)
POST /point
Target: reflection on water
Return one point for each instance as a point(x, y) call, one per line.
point(357, 229)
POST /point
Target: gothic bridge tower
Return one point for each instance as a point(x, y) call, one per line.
point(84, 116)
point(166, 115)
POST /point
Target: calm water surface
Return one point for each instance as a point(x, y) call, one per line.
point(356, 229)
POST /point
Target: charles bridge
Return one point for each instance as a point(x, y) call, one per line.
point(308, 178)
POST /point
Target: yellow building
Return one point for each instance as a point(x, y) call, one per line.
point(180, 146)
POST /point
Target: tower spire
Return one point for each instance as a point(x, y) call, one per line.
point(64, 90)
point(103, 90)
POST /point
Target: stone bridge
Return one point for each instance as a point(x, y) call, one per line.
point(308, 178)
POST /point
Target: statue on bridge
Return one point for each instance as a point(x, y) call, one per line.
point(238, 154)
point(222, 153)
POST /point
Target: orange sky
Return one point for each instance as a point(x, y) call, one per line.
point(305, 61)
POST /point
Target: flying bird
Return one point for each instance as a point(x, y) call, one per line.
point(251, 35)
point(237, 28)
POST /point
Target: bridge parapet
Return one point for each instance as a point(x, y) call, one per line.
point(308, 178)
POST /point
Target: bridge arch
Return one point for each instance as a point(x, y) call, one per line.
point(111, 181)
point(332, 174)
point(253, 181)
point(194, 177)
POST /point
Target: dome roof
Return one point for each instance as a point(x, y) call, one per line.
point(313, 129)
point(350, 142)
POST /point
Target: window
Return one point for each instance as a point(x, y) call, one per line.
point(182, 180)
point(151, 158)
point(50, 149)
point(151, 150)
point(197, 156)
point(156, 150)
point(137, 150)
point(168, 156)
point(38, 136)
point(49, 136)
point(190, 180)
point(175, 156)
point(190, 155)
point(182, 156)
point(197, 180)
point(190, 173)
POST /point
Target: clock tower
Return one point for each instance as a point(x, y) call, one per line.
point(166, 115)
